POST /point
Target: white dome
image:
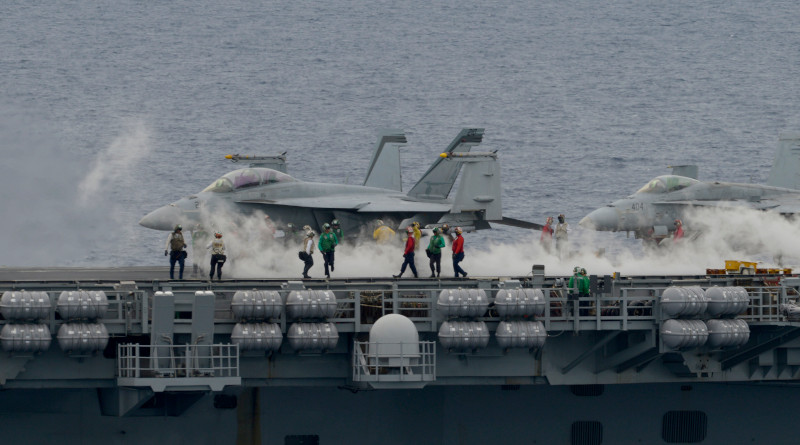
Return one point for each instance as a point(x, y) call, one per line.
point(393, 335)
point(393, 328)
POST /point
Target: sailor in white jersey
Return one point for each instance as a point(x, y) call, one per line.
point(218, 257)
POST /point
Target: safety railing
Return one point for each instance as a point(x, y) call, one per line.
point(177, 361)
point(628, 303)
point(394, 362)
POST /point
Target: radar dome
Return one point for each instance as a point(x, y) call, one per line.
point(393, 336)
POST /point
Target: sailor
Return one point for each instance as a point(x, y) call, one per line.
point(337, 230)
point(561, 236)
point(434, 251)
point(327, 245)
point(199, 241)
point(176, 245)
point(291, 235)
point(382, 234)
point(448, 236)
point(583, 290)
point(678, 231)
point(546, 238)
point(270, 229)
point(307, 254)
point(579, 286)
point(408, 254)
point(417, 234)
point(218, 256)
point(572, 290)
point(458, 253)
point(574, 280)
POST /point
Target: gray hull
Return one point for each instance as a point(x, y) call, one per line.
point(628, 414)
point(613, 367)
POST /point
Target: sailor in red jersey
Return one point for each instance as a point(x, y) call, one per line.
point(546, 239)
point(458, 253)
point(408, 254)
point(678, 231)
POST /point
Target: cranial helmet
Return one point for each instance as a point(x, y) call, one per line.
point(435, 230)
point(335, 222)
point(326, 226)
point(290, 225)
point(410, 229)
point(310, 233)
point(583, 271)
point(217, 234)
point(178, 227)
point(576, 269)
point(416, 224)
point(458, 230)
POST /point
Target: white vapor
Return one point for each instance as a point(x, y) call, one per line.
point(112, 165)
point(713, 236)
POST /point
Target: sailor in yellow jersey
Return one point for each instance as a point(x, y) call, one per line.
point(383, 234)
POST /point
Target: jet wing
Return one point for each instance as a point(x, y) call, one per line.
point(518, 223)
point(757, 205)
point(373, 205)
point(383, 206)
point(783, 206)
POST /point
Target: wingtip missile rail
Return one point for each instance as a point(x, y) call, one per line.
point(470, 155)
point(238, 157)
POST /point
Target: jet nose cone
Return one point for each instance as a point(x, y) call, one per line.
point(164, 218)
point(604, 218)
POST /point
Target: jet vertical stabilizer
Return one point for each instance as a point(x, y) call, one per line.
point(479, 189)
point(384, 168)
point(438, 181)
point(689, 171)
point(786, 169)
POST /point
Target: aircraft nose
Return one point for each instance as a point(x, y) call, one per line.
point(163, 218)
point(604, 218)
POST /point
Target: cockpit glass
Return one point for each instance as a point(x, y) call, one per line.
point(247, 177)
point(666, 184)
point(221, 185)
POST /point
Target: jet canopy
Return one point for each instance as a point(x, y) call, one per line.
point(247, 177)
point(666, 184)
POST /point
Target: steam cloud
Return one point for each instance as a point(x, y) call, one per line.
point(126, 150)
point(52, 206)
point(713, 235)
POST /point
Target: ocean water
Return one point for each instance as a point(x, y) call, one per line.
point(109, 110)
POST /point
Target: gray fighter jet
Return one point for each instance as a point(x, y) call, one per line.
point(652, 211)
point(286, 199)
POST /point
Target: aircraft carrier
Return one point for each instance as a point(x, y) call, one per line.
point(116, 356)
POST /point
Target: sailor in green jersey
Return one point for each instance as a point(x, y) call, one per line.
point(435, 252)
point(327, 244)
point(337, 230)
